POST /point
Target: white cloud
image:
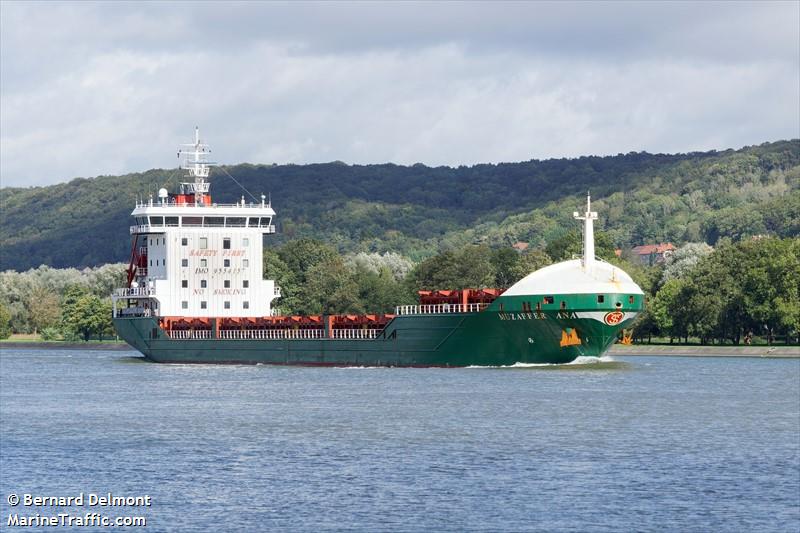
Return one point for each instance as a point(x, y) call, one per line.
point(89, 90)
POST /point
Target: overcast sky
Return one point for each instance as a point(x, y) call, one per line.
point(109, 88)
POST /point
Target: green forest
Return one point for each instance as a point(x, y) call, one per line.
point(418, 211)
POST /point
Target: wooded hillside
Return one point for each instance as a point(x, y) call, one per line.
point(418, 211)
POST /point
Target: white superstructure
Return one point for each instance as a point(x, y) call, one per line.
point(191, 257)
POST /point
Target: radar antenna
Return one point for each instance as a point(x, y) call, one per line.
point(196, 162)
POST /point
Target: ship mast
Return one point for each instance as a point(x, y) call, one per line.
point(588, 234)
point(194, 160)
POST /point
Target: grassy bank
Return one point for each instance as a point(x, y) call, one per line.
point(34, 338)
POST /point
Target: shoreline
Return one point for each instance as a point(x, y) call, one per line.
point(59, 345)
point(678, 350)
point(635, 350)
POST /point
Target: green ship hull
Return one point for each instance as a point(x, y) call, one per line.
point(507, 332)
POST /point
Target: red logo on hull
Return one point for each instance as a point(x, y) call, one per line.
point(613, 318)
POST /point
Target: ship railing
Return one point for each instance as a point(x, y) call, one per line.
point(148, 228)
point(354, 333)
point(267, 334)
point(271, 334)
point(439, 309)
point(247, 205)
point(189, 334)
point(132, 312)
point(134, 292)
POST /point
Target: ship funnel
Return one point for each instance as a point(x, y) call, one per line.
point(588, 234)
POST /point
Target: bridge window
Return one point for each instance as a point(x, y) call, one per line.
point(226, 244)
point(235, 222)
point(601, 298)
point(171, 221)
point(214, 222)
point(192, 221)
point(265, 221)
point(253, 223)
point(184, 262)
point(156, 221)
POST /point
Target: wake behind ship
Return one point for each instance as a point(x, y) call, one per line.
point(196, 294)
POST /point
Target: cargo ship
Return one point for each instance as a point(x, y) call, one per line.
point(196, 293)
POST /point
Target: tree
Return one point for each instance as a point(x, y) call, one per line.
point(5, 322)
point(668, 310)
point(276, 269)
point(303, 254)
point(505, 262)
point(680, 263)
point(511, 266)
point(331, 289)
point(84, 314)
point(398, 265)
point(381, 292)
point(570, 244)
point(734, 222)
point(769, 276)
point(43, 308)
point(470, 267)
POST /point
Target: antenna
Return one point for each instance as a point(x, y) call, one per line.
point(196, 162)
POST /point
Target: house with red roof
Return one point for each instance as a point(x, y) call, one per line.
point(652, 254)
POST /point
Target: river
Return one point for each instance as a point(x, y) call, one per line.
point(655, 443)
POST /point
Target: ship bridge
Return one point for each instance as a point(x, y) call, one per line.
point(191, 257)
point(153, 217)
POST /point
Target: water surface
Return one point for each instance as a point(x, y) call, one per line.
point(655, 443)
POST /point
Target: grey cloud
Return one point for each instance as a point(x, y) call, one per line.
point(113, 87)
